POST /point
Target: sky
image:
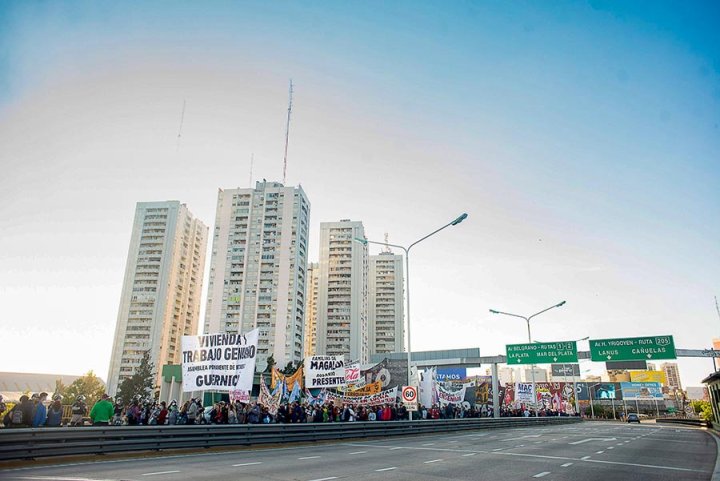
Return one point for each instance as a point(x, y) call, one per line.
point(582, 139)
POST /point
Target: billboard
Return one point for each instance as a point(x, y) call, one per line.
point(565, 370)
point(648, 376)
point(451, 374)
point(641, 390)
point(605, 390)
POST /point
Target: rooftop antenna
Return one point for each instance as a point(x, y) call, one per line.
point(182, 119)
point(717, 308)
point(252, 158)
point(387, 247)
point(287, 133)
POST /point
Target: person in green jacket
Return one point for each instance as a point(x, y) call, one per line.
point(102, 411)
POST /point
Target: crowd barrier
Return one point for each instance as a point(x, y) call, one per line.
point(45, 442)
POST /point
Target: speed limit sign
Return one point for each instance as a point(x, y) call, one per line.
point(409, 397)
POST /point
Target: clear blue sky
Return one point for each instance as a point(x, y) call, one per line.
point(581, 137)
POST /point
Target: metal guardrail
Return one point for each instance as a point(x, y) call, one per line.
point(44, 442)
point(689, 422)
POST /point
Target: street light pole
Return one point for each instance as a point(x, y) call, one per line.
point(406, 250)
point(527, 319)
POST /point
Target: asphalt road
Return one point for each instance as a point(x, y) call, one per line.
point(587, 451)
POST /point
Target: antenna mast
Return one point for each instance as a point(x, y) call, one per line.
point(717, 308)
point(182, 119)
point(387, 247)
point(252, 158)
point(287, 133)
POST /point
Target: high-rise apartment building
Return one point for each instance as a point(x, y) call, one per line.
point(160, 300)
point(385, 303)
point(673, 375)
point(342, 319)
point(257, 268)
point(311, 297)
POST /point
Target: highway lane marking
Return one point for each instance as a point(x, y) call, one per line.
point(540, 475)
point(599, 452)
point(585, 458)
point(429, 444)
point(385, 469)
point(469, 454)
point(611, 447)
point(395, 448)
point(55, 478)
point(324, 479)
point(593, 439)
point(566, 465)
point(498, 449)
point(358, 452)
point(433, 461)
point(159, 472)
point(309, 457)
point(247, 464)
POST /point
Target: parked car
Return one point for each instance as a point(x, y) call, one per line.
point(633, 418)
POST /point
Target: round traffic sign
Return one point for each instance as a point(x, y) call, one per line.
point(409, 394)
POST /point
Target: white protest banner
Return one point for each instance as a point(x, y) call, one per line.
point(385, 397)
point(324, 371)
point(524, 392)
point(239, 395)
point(446, 397)
point(352, 372)
point(219, 362)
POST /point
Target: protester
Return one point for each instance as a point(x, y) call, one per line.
point(55, 412)
point(102, 412)
point(78, 411)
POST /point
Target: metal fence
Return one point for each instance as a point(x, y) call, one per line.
point(44, 442)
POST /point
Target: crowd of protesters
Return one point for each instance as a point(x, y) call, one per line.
point(33, 412)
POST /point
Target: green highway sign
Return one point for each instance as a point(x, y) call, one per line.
point(542, 353)
point(632, 349)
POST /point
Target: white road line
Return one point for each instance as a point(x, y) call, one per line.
point(611, 447)
point(309, 457)
point(385, 469)
point(159, 472)
point(585, 457)
point(358, 452)
point(469, 454)
point(566, 465)
point(395, 448)
point(433, 461)
point(247, 464)
point(429, 444)
point(599, 452)
point(619, 444)
point(324, 479)
point(540, 475)
point(498, 449)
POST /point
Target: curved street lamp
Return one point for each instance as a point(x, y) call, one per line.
point(527, 319)
point(456, 221)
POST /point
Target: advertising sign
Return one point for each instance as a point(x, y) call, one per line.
point(565, 370)
point(641, 390)
point(605, 390)
point(219, 362)
point(451, 373)
point(542, 353)
point(324, 371)
point(391, 372)
point(632, 348)
point(648, 376)
point(352, 372)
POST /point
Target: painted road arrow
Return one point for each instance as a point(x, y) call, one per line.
point(593, 439)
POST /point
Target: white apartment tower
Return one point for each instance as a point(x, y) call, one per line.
point(385, 305)
point(160, 300)
point(342, 307)
point(311, 296)
point(257, 268)
point(673, 375)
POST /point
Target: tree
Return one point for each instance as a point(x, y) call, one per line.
point(60, 388)
point(704, 409)
point(89, 386)
point(141, 383)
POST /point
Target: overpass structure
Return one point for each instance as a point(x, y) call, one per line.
point(445, 359)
